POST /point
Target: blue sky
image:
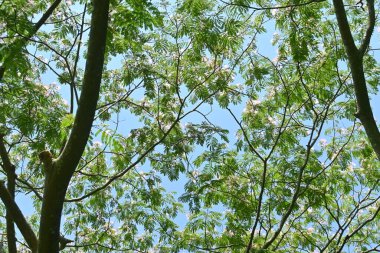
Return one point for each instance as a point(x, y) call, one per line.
point(219, 116)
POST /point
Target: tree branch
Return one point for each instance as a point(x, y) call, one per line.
point(63, 167)
point(84, 117)
point(262, 8)
point(355, 58)
point(25, 39)
point(371, 26)
point(344, 28)
point(24, 227)
point(44, 17)
point(8, 166)
point(11, 184)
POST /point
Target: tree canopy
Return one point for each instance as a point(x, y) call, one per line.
point(189, 126)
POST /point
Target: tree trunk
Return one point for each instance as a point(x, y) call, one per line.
point(11, 234)
point(11, 178)
point(59, 172)
point(355, 58)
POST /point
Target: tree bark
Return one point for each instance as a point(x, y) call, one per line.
point(11, 177)
point(16, 214)
point(11, 234)
point(355, 59)
point(60, 171)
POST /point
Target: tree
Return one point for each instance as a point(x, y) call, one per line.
point(58, 172)
point(291, 167)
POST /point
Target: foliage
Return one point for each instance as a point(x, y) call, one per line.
point(206, 138)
